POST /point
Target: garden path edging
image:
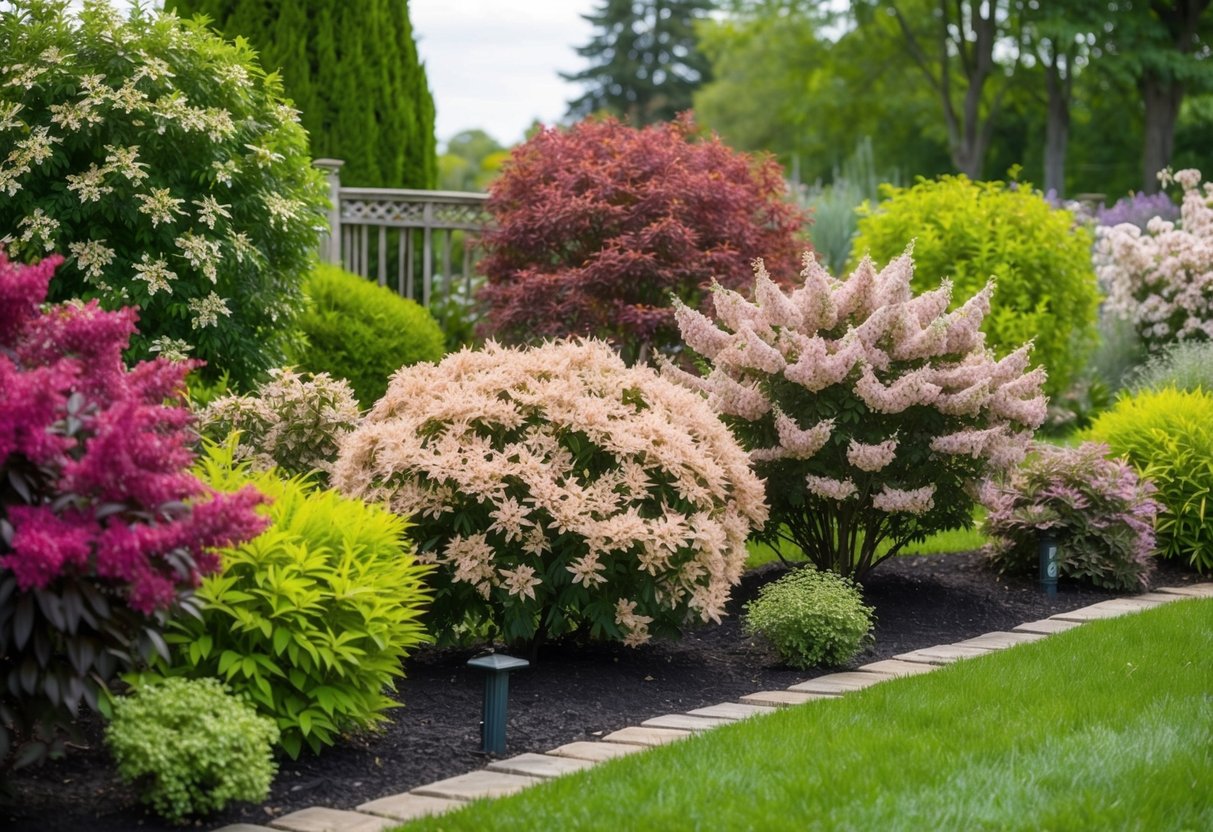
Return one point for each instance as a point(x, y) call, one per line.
point(503, 777)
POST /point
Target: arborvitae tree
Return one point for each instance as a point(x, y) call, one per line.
point(352, 70)
point(645, 62)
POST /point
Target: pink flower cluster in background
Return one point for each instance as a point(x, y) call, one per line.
point(1161, 278)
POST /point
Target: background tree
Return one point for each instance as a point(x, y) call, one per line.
point(644, 60)
point(353, 71)
point(472, 160)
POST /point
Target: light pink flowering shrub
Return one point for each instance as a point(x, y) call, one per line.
point(871, 412)
point(1098, 509)
point(559, 490)
point(1161, 279)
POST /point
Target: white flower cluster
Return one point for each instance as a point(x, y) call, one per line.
point(1162, 279)
point(666, 493)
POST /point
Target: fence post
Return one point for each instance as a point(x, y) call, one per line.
point(330, 246)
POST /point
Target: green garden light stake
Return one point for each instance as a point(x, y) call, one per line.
point(496, 694)
point(1049, 567)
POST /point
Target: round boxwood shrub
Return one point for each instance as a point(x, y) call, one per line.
point(1097, 508)
point(169, 166)
point(192, 747)
point(969, 231)
point(1167, 435)
point(312, 619)
point(559, 490)
point(362, 332)
point(811, 618)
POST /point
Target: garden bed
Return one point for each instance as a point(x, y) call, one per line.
point(572, 694)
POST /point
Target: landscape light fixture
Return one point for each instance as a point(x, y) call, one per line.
point(1049, 567)
point(496, 695)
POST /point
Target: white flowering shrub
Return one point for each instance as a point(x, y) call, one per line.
point(1161, 278)
point(293, 422)
point(559, 490)
point(167, 167)
point(871, 412)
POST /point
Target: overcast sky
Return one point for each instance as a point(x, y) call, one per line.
point(493, 64)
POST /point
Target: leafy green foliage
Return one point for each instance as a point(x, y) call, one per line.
point(969, 231)
point(1097, 509)
point(169, 166)
point(354, 72)
point(362, 332)
point(292, 423)
point(1167, 435)
point(811, 618)
point(1185, 365)
point(312, 619)
point(192, 747)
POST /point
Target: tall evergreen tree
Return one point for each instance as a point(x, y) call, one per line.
point(353, 71)
point(645, 62)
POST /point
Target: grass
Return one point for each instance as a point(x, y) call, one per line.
point(1108, 726)
point(953, 540)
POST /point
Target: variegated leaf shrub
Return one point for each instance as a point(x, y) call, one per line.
point(559, 490)
point(870, 411)
point(170, 168)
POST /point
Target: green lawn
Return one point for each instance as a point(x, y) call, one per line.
point(956, 540)
point(1108, 726)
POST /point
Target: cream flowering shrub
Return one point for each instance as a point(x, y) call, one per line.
point(871, 412)
point(1161, 279)
point(167, 167)
point(294, 422)
point(559, 490)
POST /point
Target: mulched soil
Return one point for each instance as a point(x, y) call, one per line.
point(573, 693)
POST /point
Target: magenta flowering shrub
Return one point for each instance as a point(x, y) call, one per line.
point(102, 527)
point(559, 490)
point(870, 412)
point(1161, 278)
point(1101, 514)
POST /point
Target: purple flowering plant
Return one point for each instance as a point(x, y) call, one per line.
point(1138, 209)
point(1099, 510)
point(103, 529)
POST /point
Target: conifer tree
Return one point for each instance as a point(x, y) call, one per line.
point(352, 70)
point(645, 62)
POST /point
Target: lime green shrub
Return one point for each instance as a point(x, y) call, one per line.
point(1167, 435)
point(192, 746)
point(362, 332)
point(312, 619)
point(811, 618)
point(292, 422)
point(968, 231)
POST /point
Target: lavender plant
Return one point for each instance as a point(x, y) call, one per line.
point(1138, 209)
point(871, 412)
point(1099, 510)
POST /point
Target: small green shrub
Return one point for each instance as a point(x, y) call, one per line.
point(1097, 508)
point(1186, 365)
point(811, 618)
point(969, 231)
point(312, 619)
point(192, 746)
point(1167, 435)
point(362, 332)
point(292, 423)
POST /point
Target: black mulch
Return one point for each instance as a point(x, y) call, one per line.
point(572, 694)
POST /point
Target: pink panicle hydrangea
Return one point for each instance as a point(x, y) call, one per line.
point(1161, 279)
point(1099, 510)
point(863, 404)
point(557, 487)
point(105, 492)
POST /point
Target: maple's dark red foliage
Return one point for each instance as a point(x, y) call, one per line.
point(103, 529)
point(597, 225)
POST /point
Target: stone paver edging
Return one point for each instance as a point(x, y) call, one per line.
point(504, 777)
